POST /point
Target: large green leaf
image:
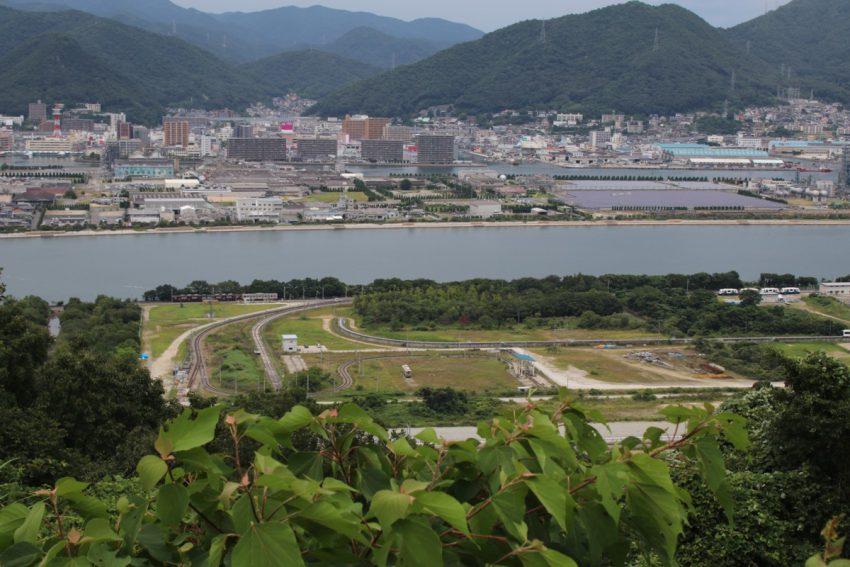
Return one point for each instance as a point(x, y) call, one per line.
point(186, 433)
point(267, 545)
point(510, 507)
point(11, 518)
point(28, 530)
point(445, 507)
point(172, 503)
point(554, 498)
point(389, 506)
point(151, 469)
point(420, 545)
point(67, 485)
point(22, 554)
point(295, 419)
point(714, 474)
point(341, 521)
point(87, 506)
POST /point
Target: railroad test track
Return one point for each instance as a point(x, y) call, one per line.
point(198, 372)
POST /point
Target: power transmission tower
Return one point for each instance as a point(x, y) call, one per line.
point(732, 84)
point(657, 45)
point(543, 32)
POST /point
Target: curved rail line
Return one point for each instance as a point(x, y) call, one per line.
point(260, 344)
point(198, 373)
point(343, 329)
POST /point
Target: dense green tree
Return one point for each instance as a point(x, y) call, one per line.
point(107, 405)
point(23, 349)
point(444, 401)
point(812, 428)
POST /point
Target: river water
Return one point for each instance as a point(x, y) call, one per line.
point(126, 266)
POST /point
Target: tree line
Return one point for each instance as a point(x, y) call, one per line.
point(676, 305)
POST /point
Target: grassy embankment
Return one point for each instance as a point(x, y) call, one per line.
point(567, 329)
point(231, 360)
point(168, 321)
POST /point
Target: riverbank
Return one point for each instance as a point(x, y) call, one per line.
point(429, 225)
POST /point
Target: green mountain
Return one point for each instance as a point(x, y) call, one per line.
point(239, 36)
point(161, 70)
point(66, 72)
point(806, 44)
point(602, 60)
point(76, 57)
point(309, 72)
point(381, 50)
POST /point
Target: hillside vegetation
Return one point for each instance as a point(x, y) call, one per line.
point(808, 40)
point(310, 72)
point(602, 60)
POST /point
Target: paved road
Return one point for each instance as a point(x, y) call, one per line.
point(616, 431)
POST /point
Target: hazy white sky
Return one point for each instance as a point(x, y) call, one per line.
point(492, 14)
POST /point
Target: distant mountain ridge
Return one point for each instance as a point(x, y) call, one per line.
point(632, 57)
point(73, 57)
point(807, 40)
point(245, 36)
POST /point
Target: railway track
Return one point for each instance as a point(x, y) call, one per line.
point(199, 375)
point(262, 348)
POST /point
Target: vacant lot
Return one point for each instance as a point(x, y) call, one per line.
point(471, 371)
point(671, 366)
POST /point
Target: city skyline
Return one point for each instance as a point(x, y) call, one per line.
point(480, 13)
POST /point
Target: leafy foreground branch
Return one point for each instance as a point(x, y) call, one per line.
point(541, 489)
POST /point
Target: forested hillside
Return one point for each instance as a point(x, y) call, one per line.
point(602, 60)
point(309, 72)
point(807, 41)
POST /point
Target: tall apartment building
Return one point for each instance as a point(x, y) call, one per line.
point(6, 140)
point(383, 150)
point(257, 149)
point(77, 124)
point(243, 131)
point(600, 138)
point(125, 131)
point(37, 112)
point(398, 133)
point(435, 149)
point(317, 149)
point(175, 132)
point(364, 127)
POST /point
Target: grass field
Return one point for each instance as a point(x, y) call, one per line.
point(231, 358)
point(309, 328)
point(478, 372)
point(518, 333)
point(167, 322)
point(334, 197)
point(827, 306)
point(799, 350)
